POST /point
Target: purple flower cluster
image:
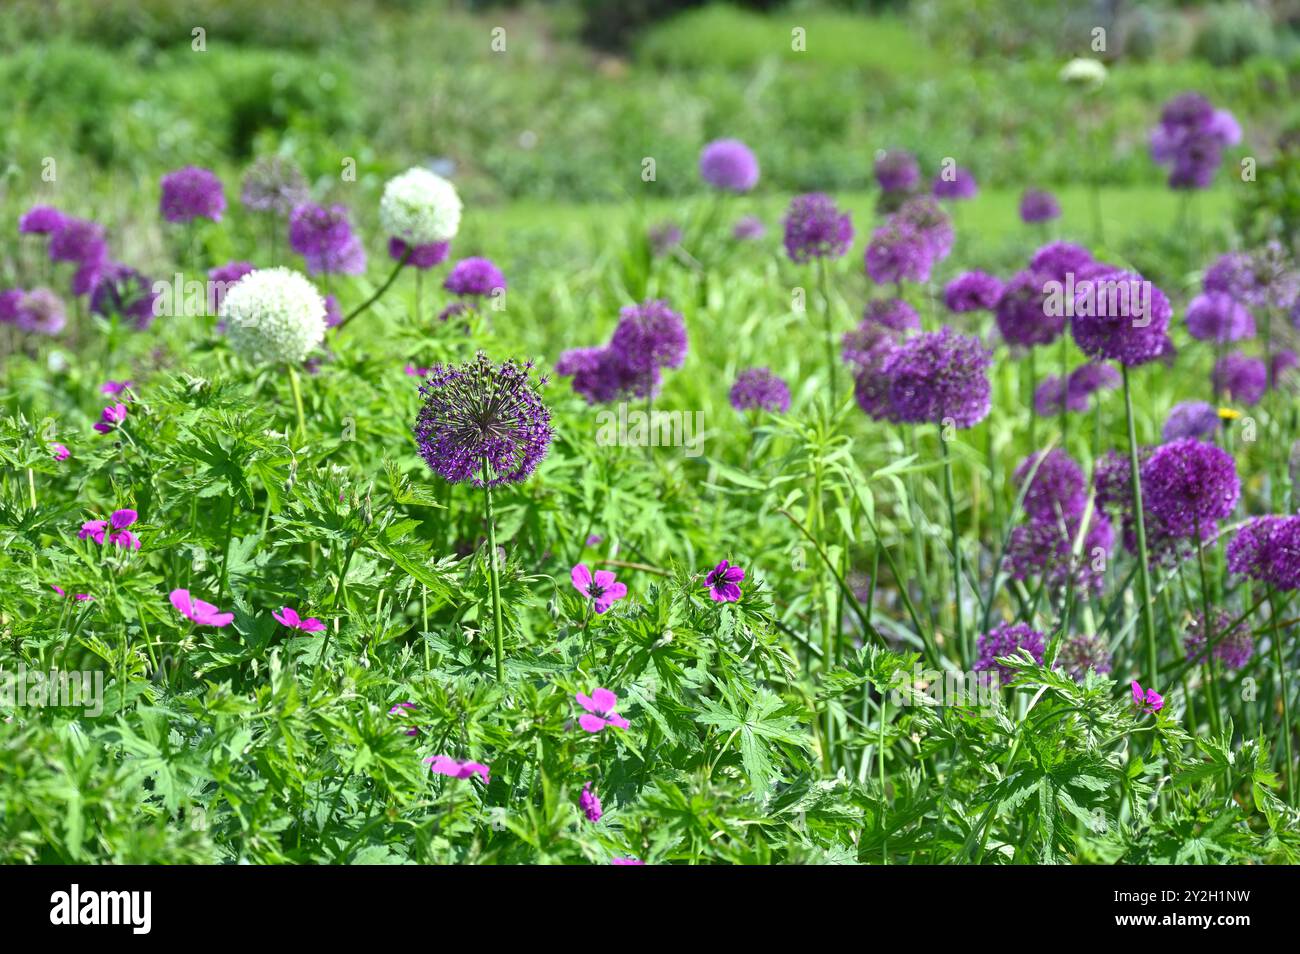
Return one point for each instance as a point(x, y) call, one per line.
point(972, 291)
point(1076, 391)
point(1190, 140)
point(483, 422)
point(1218, 317)
point(937, 378)
point(1056, 486)
point(1044, 548)
point(192, 193)
point(1082, 652)
point(649, 337)
point(1233, 646)
point(1006, 640)
point(474, 277)
point(893, 313)
point(324, 238)
point(957, 184)
point(1187, 487)
point(422, 256)
point(1191, 419)
point(1022, 311)
point(1056, 260)
point(897, 171)
point(41, 220)
point(729, 165)
point(759, 389)
point(123, 291)
point(273, 184)
point(1242, 378)
point(1120, 316)
point(1267, 550)
point(816, 228)
point(867, 348)
point(1037, 205)
point(38, 311)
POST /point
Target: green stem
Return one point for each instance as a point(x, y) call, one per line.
point(493, 575)
point(956, 546)
point(379, 292)
point(1144, 571)
point(297, 402)
point(830, 334)
point(1287, 727)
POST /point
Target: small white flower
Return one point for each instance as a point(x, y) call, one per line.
point(273, 315)
point(420, 207)
point(1085, 72)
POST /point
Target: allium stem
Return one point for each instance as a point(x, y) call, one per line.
point(1139, 520)
point(379, 292)
point(956, 548)
point(830, 334)
point(1287, 727)
point(297, 402)
point(493, 575)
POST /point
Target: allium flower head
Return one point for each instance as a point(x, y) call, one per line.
point(1082, 652)
point(223, 277)
point(422, 256)
point(41, 220)
point(893, 313)
point(599, 587)
point(898, 253)
point(1191, 419)
point(939, 376)
point(759, 389)
point(79, 241)
point(959, 184)
point(1059, 259)
point(324, 238)
point(420, 208)
point(1054, 395)
point(972, 291)
point(1056, 486)
point(1037, 205)
point(650, 336)
point(1188, 486)
point(663, 238)
point(602, 375)
point(273, 316)
point(728, 164)
point(1242, 378)
point(38, 311)
point(815, 228)
point(482, 422)
point(927, 218)
point(749, 228)
point(1233, 648)
point(1190, 139)
point(897, 171)
point(1006, 640)
point(123, 291)
point(1121, 317)
point(1044, 549)
point(1267, 550)
point(867, 348)
point(192, 193)
point(1218, 317)
point(273, 184)
point(722, 582)
point(1022, 311)
point(474, 276)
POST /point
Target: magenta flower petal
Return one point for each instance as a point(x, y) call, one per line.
point(121, 519)
point(591, 723)
point(312, 625)
point(581, 577)
point(604, 700)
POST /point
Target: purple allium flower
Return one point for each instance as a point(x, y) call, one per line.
point(1242, 378)
point(223, 277)
point(474, 277)
point(41, 220)
point(867, 348)
point(1267, 550)
point(663, 238)
point(482, 422)
point(650, 336)
point(1120, 316)
point(1005, 640)
point(1089, 378)
point(897, 171)
point(601, 587)
point(749, 228)
point(589, 802)
point(333, 313)
point(192, 193)
point(1044, 548)
point(728, 164)
point(1059, 259)
point(973, 291)
point(1270, 281)
point(893, 313)
point(9, 300)
point(123, 291)
point(1218, 317)
point(1281, 364)
point(600, 712)
point(324, 238)
point(273, 184)
point(1191, 419)
point(938, 377)
point(1023, 314)
point(1230, 274)
point(38, 311)
point(761, 390)
point(602, 375)
point(722, 582)
point(1190, 139)
point(927, 218)
point(1081, 652)
point(1057, 488)
point(81, 242)
point(1233, 649)
point(1147, 700)
point(422, 256)
point(1053, 393)
point(897, 253)
point(959, 184)
point(815, 228)
point(1037, 205)
point(1188, 486)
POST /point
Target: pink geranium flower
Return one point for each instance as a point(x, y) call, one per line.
point(119, 520)
point(111, 417)
point(602, 590)
point(61, 453)
point(401, 709)
point(198, 612)
point(288, 616)
point(626, 861)
point(600, 711)
point(93, 529)
point(446, 765)
point(62, 592)
point(589, 802)
point(722, 580)
point(114, 388)
point(1148, 700)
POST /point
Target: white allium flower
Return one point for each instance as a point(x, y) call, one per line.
point(273, 315)
point(1082, 71)
point(420, 207)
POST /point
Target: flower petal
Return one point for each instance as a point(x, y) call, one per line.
point(581, 577)
point(605, 700)
point(591, 723)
